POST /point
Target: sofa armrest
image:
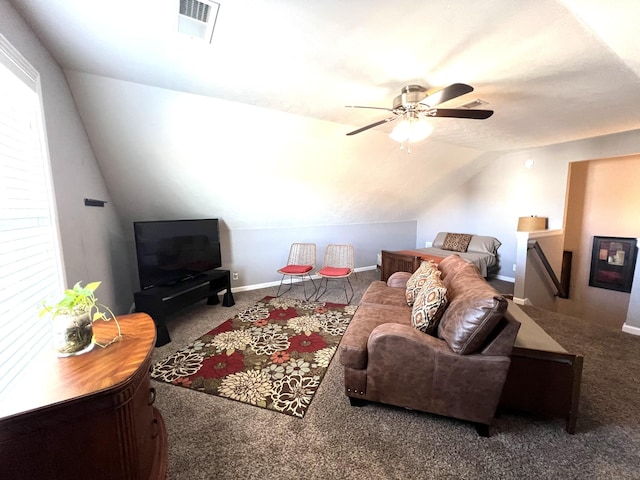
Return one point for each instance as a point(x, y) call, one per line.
point(398, 280)
point(502, 339)
point(410, 337)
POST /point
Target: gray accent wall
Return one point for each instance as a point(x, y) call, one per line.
point(257, 254)
point(94, 244)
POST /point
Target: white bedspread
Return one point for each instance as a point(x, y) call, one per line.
point(483, 261)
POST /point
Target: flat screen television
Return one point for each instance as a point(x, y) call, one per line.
point(171, 251)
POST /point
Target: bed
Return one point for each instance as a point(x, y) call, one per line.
point(480, 250)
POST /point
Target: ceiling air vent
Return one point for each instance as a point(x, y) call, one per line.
point(474, 103)
point(197, 18)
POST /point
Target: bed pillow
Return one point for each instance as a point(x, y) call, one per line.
point(415, 283)
point(456, 242)
point(484, 244)
point(439, 240)
point(429, 306)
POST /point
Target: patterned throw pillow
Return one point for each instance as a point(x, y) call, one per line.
point(429, 306)
point(417, 280)
point(456, 242)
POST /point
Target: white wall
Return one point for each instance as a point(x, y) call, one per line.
point(494, 190)
point(272, 178)
point(166, 154)
point(93, 241)
point(491, 193)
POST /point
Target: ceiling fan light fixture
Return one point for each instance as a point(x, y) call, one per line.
point(411, 129)
point(414, 105)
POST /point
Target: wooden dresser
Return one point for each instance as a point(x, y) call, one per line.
point(87, 417)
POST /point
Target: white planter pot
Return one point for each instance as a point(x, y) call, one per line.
point(72, 334)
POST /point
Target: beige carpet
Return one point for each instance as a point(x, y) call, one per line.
point(213, 438)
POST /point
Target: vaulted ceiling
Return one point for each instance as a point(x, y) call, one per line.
point(553, 70)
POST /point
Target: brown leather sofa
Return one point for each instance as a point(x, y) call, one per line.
point(459, 372)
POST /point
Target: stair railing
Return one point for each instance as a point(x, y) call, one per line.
point(562, 285)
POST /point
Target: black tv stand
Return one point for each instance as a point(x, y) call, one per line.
point(160, 302)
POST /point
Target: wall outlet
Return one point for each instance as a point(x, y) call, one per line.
point(514, 267)
point(235, 276)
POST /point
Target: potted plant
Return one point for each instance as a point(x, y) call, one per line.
point(73, 318)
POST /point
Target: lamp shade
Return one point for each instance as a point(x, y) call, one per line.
point(531, 224)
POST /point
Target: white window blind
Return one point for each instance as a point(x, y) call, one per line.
point(30, 266)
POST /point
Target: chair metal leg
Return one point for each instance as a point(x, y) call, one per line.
point(304, 285)
point(290, 284)
point(319, 291)
point(349, 298)
point(281, 283)
point(345, 280)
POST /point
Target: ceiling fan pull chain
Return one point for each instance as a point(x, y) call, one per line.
point(408, 144)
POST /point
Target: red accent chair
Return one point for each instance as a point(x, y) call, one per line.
point(301, 262)
point(338, 265)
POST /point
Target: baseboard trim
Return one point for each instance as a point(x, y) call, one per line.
point(630, 329)
point(504, 278)
point(256, 286)
point(522, 301)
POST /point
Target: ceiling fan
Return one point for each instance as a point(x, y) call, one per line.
point(414, 104)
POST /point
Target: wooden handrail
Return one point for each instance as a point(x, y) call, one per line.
point(562, 287)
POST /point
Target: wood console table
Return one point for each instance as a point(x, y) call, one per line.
point(90, 416)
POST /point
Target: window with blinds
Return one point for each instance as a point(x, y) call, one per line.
point(30, 266)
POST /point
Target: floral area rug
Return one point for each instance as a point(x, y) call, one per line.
point(272, 355)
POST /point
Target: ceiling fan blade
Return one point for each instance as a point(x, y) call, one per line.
point(374, 108)
point(386, 120)
point(447, 93)
point(460, 113)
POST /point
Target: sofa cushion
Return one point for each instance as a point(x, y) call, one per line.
point(379, 293)
point(457, 242)
point(334, 271)
point(474, 310)
point(429, 305)
point(296, 269)
point(415, 283)
point(398, 280)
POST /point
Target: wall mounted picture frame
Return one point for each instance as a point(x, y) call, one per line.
point(613, 262)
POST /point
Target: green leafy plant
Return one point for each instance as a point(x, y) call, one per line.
point(79, 301)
